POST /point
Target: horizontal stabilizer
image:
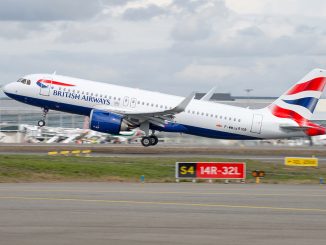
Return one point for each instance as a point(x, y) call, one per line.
point(294, 128)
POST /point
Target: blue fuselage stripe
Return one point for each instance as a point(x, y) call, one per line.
point(171, 127)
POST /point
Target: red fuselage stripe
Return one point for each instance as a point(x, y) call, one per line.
point(55, 83)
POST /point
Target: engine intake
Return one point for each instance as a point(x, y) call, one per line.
point(107, 122)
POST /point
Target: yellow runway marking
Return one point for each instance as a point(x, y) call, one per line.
point(173, 192)
point(164, 203)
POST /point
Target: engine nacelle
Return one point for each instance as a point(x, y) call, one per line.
point(107, 122)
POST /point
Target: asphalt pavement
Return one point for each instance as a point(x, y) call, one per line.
point(180, 213)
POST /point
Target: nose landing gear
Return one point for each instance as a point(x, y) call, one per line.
point(41, 123)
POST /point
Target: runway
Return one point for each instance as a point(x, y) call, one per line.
point(183, 213)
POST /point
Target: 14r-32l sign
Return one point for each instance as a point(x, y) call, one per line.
point(211, 170)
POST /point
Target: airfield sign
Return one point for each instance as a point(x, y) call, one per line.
point(210, 170)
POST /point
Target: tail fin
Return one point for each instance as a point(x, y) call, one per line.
point(299, 102)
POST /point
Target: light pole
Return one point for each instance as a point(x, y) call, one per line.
point(248, 90)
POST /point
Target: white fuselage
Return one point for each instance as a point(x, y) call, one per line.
point(201, 118)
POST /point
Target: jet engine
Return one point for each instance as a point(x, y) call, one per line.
point(107, 122)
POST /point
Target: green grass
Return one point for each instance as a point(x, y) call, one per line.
point(29, 168)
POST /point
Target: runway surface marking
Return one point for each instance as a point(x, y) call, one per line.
point(176, 192)
point(163, 203)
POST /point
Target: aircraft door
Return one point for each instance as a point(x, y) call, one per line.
point(45, 86)
point(257, 122)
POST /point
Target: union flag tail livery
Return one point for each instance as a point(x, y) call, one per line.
point(300, 101)
point(112, 109)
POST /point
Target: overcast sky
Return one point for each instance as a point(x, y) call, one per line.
point(173, 46)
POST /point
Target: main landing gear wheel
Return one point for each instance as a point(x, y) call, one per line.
point(154, 139)
point(146, 141)
point(41, 123)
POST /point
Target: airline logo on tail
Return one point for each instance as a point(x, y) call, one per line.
point(299, 102)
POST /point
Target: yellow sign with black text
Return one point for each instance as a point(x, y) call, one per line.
point(301, 161)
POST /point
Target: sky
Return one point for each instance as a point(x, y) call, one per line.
point(171, 46)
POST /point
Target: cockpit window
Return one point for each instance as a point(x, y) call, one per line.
point(24, 81)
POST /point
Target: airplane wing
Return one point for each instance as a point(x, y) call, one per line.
point(154, 117)
point(209, 94)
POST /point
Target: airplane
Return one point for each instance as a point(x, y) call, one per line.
point(112, 109)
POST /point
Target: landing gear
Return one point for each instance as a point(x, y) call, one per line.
point(149, 140)
point(154, 139)
point(146, 141)
point(41, 123)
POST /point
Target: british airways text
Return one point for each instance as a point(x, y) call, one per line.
point(75, 96)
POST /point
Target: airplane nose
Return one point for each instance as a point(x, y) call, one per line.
point(8, 88)
point(5, 88)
